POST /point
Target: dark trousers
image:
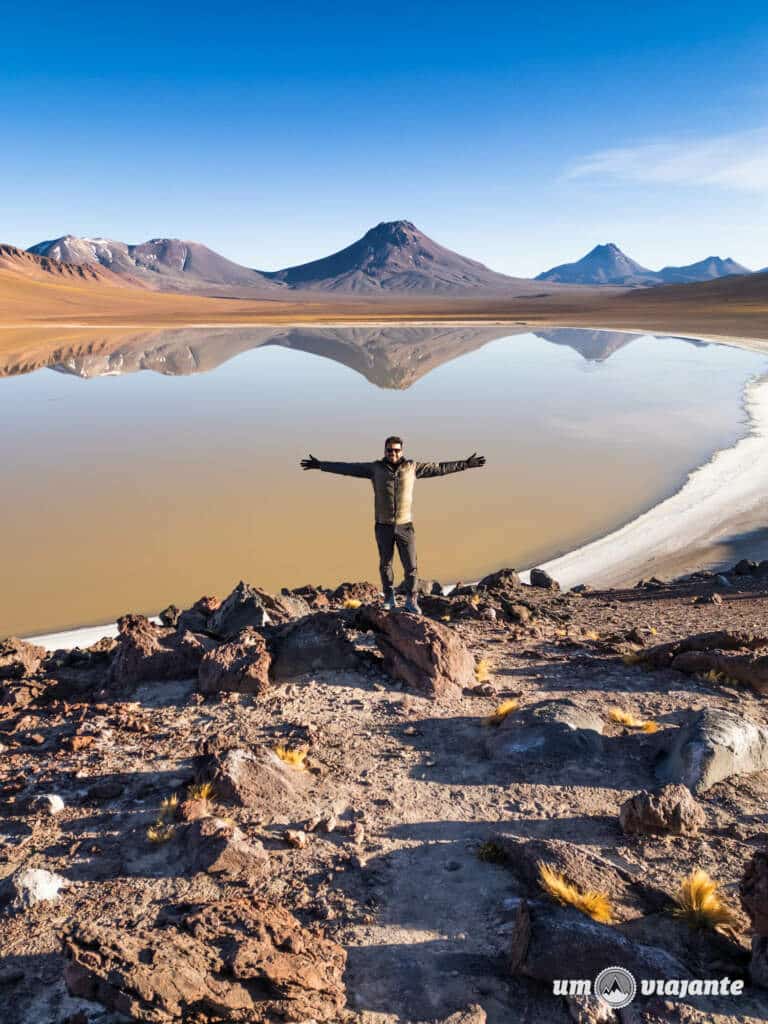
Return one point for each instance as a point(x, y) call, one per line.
point(402, 534)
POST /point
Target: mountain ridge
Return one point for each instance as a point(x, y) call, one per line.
point(607, 264)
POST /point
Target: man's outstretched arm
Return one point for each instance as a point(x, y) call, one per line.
point(427, 469)
point(361, 469)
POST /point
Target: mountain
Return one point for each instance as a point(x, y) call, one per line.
point(605, 264)
point(594, 346)
point(166, 264)
point(27, 265)
point(396, 257)
point(705, 270)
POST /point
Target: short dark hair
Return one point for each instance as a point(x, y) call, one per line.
point(393, 440)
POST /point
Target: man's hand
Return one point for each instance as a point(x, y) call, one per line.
point(310, 463)
point(475, 461)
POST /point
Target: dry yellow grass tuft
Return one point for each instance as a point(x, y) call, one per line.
point(169, 806)
point(700, 903)
point(594, 904)
point(351, 602)
point(200, 791)
point(505, 708)
point(592, 634)
point(632, 721)
point(482, 671)
point(295, 758)
point(474, 600)
point(160, 832)
point(625, 718)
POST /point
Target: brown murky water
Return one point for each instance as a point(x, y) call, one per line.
point(129, 490)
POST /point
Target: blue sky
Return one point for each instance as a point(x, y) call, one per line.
point(520, 135)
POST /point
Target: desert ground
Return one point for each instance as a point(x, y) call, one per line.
point(299, 807)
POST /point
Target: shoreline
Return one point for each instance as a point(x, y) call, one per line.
point(722, 493)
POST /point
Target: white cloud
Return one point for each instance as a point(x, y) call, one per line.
point(737, 161)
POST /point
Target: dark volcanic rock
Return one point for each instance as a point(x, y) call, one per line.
point(241, 666)
point(234, 960)
point(19, 658)
point(245, 606)
point(581, 867)
point(551, 942)
point(257, 779)
point(363, 591)
point(219, 847)
point(754, 899)
point(195, 619)
point(540, 578)
point(669, 809)
point(148, 652)
point(504, 581)
point(316, 642)
point(714, 746)
point(427, 656)
point(556, 730)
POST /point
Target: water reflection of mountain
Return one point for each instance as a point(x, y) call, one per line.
point(595, 346)
point(390, 357)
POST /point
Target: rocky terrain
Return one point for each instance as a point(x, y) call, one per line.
point(298, 807)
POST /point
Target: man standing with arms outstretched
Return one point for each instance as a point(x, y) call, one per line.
point(393, 478)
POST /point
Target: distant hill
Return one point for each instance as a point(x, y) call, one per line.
point(27, 265)
point(396, 257)
point(705, 270)
point(607, 264)
point(166, 264)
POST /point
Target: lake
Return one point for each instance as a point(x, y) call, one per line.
point(163, 466)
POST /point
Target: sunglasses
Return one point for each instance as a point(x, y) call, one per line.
point(394, 449)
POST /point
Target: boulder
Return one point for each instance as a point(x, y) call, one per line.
point(754, 892)
point(35, 885)
point(145, 652)
point(666, 655)
point(364, 592)
point(669, 809)
point(317, 599)
point(169, 616)
point(245, 606)
point(744, 568)
point(749, 669)
point(713, 746)
point(257, 779)
point(233, 960)
point(541, 578)
point(218, 847)
point(195, 619)
point(554, 730)
point(549, 942)
point(241, 665)
point(49, 804)
point(313, 643)
point(754, 899)
point(19, 658)
point(427, 656)
point(582, 867)
point(504, 581)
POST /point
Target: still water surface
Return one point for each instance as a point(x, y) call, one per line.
point(168, 466)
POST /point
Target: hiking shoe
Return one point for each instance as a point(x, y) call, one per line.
point(412, 605)
point(390, 601)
